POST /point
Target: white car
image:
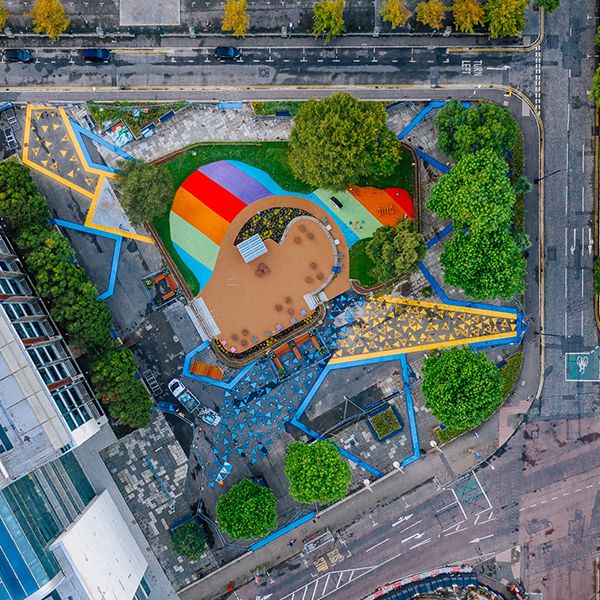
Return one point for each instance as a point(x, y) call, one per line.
point(192, 404)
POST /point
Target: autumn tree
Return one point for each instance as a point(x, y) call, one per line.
point(395, 250)
point(395, 13)
point(49, 18)
point(462, 388)
point(467, 14)
point(144, 189)
point(431, 13)
point(235, 17)
point(341, 141)
point(486, 265)
point(476, 193)
point(328, 19)
point(505, 18)
point(3, 15)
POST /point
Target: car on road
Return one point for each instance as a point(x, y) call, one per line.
point(96, 55)
point(227, 52)
point(17, 55)
point(192, 404)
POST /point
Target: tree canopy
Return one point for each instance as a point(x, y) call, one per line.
point(395, 13)
point(476, 193)
point(328, 18)
point(462, 131)
point(49, 18)
point(395, 250)
point(486, 265)
point(431, 13)
point(467, 14)
point(461, 387)
point(3, 15)
point(316, 472)
point(505, 18)
point(21, 205)
point(235, 17)
point(548, 5)
point(248, 510)
point(145, 190)
point(341, 141)
point(189, 540)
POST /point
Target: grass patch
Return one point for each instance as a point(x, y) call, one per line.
point(445, 435)
point(385, 423)
point(150, 112)
point(510, 373)
point(361, 264)
point(266, 109)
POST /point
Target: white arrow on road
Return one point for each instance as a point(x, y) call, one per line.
point(477, 540)
point(402, 519)
point(574, 241)
point(590, 244)
point(416, 536)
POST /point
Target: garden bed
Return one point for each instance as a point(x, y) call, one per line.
point(386, 423)
point(270, 223)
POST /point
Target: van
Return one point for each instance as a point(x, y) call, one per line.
point(96, 55)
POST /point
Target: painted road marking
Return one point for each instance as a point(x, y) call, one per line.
point(420, 543)
point(407, 528)
point(402, 519)
point(457, 531)
point(416, 536)
point(377, 545)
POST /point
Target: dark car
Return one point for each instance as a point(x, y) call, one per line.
point(227, 52)
point(15, 55)
point(96, 55)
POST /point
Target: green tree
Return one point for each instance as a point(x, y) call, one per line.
point(595, 91)
point(49, 18)
point(316, 472)
point(3, 16)
point(462, 131)
point(486, 265)
point(467, 14)
point(113, 380)
point(328, 18)
point(395, 13)
point(597, 38)
point(548, 5)
point(477, 194)
point(597, 275)
point(341, 141)
point(431, 13)
point(461, 387)
point(145, 190)
point(395, 250)
point(189, 540)
point(248, 510)
point(21, 205)
point(235, 17)
point(505, 18)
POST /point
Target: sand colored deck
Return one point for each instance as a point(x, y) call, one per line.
point(251, 302)
point(199, 215)
point(384, 205)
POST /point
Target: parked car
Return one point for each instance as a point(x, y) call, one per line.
point(192, 404)
point(16, 55)
point(227, 52)
point(96, 55)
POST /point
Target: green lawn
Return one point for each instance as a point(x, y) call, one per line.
point(361, 264)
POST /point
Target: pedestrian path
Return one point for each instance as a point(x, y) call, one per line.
point(54, 146)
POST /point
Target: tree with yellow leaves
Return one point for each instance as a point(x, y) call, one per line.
point(3, 16)
point(431, 13)
point(235, 18)
point(467, 15)
point(49, 18)
point(395, 13)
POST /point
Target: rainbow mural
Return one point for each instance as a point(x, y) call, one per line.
point(213, 195)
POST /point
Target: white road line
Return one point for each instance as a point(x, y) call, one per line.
point(565, 324)
point(569, 116)
point(566, 241)
point(582, 281)
point(566, 291)
point(566, 199)
point(420, 543)
point(582, 323)
point(587, 487)
point(582, 199)
point(377, 545)
point(522, 509)
point(566, 493)
point(407, 528)
point(315, 590)
point(578, 490)
point(483, 491)
point(457, 531)
point(456, 526)
point(326, 584)
point(403, 519)
point(567, 168)
point(305, 590)
point(554, 498)
point(583, 157)
point(582, 240)
point(533, 505)
point(459, 504)
point(337, 585)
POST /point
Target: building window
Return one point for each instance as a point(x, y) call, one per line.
point(44, 355)
point(53, 373)
point(72, 406)
point(143, 590)
point(12, 286)
point(5, 444)
point(8, 265)
point(31, 329)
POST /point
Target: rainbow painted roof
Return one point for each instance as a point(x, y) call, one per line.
point(212, 196)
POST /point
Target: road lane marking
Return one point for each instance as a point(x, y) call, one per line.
point(583, 157)
point(480, 539)
point(457, 531)
point(416, 536)
point(455, 526)
point(482, 490)
point(377, 545)
point(326, 584)
point(337, 585)
point(587, 487)
point(568, 116)
point(407, 528)
point(565, 282)
point(582, 199)
point(582, 318)
point(566, 241)
point(402, 519)
point(459, 504)
point(315, 590)
point(420, 543)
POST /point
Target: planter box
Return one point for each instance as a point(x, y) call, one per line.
point(385, 423)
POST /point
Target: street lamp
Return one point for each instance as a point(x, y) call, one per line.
point(538, 179)
point(398, 466)
point(435, 446)
point(367, 484)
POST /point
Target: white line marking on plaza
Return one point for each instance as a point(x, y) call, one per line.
point(582, 323)
point(457, 531)
point(565, 324)
point(377, 545)
point(565, 282)
point(339, 580)
point(582, 199)
point(566, 199)
point(568, 116)
point(582, 281)
point(460, 505)
point(583, 157)
point(582, 240)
